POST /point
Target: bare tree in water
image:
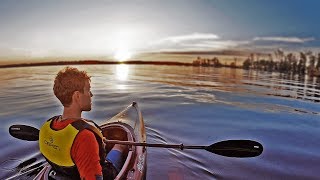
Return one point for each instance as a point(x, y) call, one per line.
point(289, 63)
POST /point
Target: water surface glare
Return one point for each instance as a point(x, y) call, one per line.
point(189, 105)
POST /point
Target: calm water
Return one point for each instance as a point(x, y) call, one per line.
point(190, 105)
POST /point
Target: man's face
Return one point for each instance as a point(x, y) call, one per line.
point(85, 97)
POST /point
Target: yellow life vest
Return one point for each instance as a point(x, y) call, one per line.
point(55, 145)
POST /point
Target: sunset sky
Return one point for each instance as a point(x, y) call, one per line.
point(123, 29)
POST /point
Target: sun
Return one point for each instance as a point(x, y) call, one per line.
point(124, 44)
point(122, 54)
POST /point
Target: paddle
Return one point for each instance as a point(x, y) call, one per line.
point(24, 132)
point(229, 148)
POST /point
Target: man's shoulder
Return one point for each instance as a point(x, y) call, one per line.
point(86, 132)
point(86, 137)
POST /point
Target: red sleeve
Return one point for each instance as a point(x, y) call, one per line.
point(85, 154)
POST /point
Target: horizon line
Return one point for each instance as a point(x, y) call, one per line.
point(93, 62)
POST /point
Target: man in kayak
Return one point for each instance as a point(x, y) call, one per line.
point(72, 146)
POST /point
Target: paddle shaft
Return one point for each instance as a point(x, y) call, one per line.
point(229, 148)
point(175, 146)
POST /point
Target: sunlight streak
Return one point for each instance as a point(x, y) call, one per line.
point(122, 72)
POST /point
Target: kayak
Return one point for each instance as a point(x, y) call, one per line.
point(128, 125)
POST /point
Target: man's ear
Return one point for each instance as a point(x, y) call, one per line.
point(76, 96)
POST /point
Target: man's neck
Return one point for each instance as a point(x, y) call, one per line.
point(70, 112)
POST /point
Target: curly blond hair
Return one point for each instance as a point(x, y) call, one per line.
point(67, 81)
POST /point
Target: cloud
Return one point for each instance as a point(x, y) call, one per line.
point(189, 37)
point(285, 39)
point(222, 44)
point(195, 41)
point(209, 42)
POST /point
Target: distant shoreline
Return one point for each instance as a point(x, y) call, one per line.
point(93, 62)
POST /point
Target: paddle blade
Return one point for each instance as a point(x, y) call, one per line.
point(236, 148)
point(24, 132)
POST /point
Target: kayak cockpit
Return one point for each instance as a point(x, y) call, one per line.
point(122, 132)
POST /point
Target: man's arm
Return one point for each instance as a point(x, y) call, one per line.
point(85, 154)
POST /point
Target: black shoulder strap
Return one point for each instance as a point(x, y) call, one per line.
point(83, 124)
point(53, 118)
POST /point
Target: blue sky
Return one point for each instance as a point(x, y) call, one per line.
point(57, 28)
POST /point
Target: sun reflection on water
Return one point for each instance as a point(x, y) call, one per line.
point(122, 71)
